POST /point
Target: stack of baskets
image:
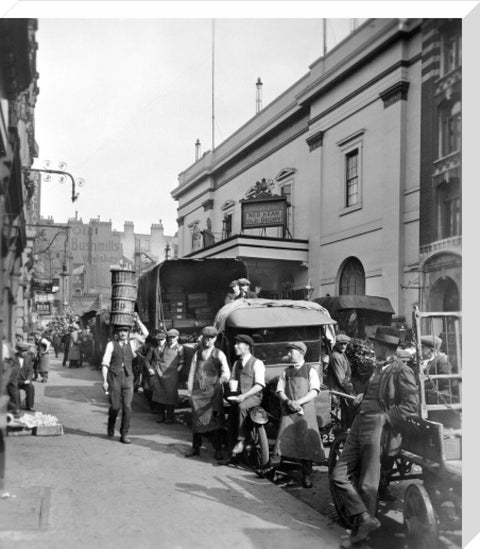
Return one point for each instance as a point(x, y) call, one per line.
point(124, 295)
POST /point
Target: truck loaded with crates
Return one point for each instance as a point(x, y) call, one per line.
point(186, 293)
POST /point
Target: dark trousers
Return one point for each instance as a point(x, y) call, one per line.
point(13, 390)
point(65, 354)
point(120, 388)
point(238, 416)
point(356, 475)
point(214, 437)
point(166, 411)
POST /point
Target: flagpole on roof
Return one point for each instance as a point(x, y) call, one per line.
point(213, 84)
point(324, 24)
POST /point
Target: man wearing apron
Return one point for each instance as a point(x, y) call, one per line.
point(298, 437)
point(171, 362)
point(208, 371)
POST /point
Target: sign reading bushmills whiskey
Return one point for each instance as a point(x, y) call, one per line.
point(270, 211)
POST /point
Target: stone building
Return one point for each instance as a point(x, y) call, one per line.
point(77, 257)
point(18, 95)
point(349, 146)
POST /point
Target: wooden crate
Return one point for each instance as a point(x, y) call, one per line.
point(48, 430)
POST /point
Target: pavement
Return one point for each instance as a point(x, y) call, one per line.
point(82, 489)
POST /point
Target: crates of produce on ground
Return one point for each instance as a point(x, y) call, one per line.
point(42, 424)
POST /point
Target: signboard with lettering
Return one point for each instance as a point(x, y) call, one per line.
point(45, 286)
point(264, 212)
point(43, 308)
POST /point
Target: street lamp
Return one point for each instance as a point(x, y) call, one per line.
point(46, 175)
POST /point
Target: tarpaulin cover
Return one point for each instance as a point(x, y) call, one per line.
point(278, 313)
point(365, 302)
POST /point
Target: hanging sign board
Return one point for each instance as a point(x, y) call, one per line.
point(45, 286)
point(264, 212)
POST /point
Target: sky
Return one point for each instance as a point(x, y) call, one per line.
point(123, 101)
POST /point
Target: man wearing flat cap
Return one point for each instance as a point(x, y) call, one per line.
point(21, 377)
point(117, 375)
point(208, 372)
point(169, 364)
point(298, 436)
point(233, 292)
point(390, 396)
point(245, 291)
point(339, 378)
point(435, 363)
point(249, 372)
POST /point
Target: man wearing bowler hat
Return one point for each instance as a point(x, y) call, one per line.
point(390, 396)
point(117, 375)
point(249, 373)
point(298, 436)
point(170, 362)
point(208, 372)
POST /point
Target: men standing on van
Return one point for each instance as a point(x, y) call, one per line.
point(245, 291)
point(298, 436)
point(208, 371)
point(249, 373)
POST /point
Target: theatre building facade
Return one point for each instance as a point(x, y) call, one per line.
point(320, 192)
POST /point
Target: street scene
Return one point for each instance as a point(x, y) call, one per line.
point(231, 315)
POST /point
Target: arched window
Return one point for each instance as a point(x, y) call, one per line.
point(352, 278)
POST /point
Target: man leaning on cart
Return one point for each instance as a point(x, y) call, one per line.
point(390, 396)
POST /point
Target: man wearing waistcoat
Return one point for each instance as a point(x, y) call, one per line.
point(298, 436)
point(118, 377)
point(208, 372)
point(250, 374)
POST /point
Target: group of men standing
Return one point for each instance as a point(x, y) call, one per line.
point(374, 416)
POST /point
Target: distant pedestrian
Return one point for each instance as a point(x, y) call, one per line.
point(66, 345)
point(74, 347)
point(43, 360)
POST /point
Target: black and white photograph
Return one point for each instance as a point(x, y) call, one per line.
point(231, 275)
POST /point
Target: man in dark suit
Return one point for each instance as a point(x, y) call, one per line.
point(390, 396)
point(21, 378)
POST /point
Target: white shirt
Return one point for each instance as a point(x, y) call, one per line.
point(313, 380)
point(107, 357)
point(225, 370)
point(258, 370)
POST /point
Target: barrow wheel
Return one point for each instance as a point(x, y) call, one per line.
point(335, 450)
point(419, 519)
point(259, 455)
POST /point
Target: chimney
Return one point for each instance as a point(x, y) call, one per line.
point(198, 149)
point(259, 85)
